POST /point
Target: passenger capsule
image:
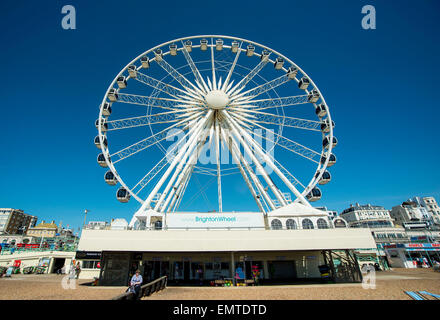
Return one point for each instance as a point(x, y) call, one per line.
point(132, 71)
point(279, 62)
point(325, 178)
point(313, 96)
point(101, 160)
point(234, 46)
point(203, 44)
point(303, 83)
point(112, 95)
point(325, 126)
point(321, 110)
point(145, 62)
point(122, 195)
point(331, 161)
point(292, 72)
point(110, 178)
point(104, 125)
point(159, 55)
point(122, 82)
point(173, 49)
point(250, 50)
point(265, 55)
point(104, 141)
point(325, 142)
point(314, 195)
point(188, 45)
point(219, 44)
point(107, 109)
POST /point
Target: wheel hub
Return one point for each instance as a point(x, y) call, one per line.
point(217, 99)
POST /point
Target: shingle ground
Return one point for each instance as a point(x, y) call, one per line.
point(389, 285)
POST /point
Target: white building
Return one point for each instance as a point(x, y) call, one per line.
point(367, 216)
point(286, 244)
point(410, 212)
point(430, 205)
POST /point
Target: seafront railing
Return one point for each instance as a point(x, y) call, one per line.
point(145, 290)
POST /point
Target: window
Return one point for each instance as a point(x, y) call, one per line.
point(290, 224)
point(339, 223)
point(307, 224)
point(276, 224)
point(90, 264)
point(322, 224)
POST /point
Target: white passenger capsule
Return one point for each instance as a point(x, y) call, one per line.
point(303, 83)
point(101, 160)
point(321, 110)
point(265, 55)
point(107, 109)
point(104, 141)
point(234, 46)
point(250, 50)
point(122, 82)
point(331, 161)
point(132, 71)
point(104, 125)
point(110, 178)
point(314, 195)
point(279, 62)
point(326, 177)
point(173, 49)
point(188, 45)
point(219, 44)
point(145, 62)
point(292, 72)
point(112, 95)
point(325, 142)
point(122, 195)
point(203, 44)
point(313, 96)
point(158, 54)
point(325, 126)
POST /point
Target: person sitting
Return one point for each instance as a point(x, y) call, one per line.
point(136, 282)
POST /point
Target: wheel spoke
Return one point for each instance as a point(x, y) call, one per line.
point(267, 118)
point(254, 92)
point(292, 146)
point(270, 103)
point(159, 85)
point(242, 84)
point(180, 78)
point(199, 80)
point(165, 117)
point(147, 142)
point(231, 70)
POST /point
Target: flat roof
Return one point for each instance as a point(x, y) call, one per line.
point(225, 240)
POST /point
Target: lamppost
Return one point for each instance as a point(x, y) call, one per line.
point(85, 216)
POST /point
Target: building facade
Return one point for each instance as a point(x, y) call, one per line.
point(430, 204)
point(410, 212)
point(43, 230)
point(15, 221)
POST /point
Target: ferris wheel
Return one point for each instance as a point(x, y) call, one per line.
point(173, 102)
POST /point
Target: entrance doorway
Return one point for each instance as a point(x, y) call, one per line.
point(58, 263)
point(155, 269)
point(282, 270)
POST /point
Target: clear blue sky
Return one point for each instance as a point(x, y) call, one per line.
point(381, 85)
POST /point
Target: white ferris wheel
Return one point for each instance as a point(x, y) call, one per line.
point(228, 95)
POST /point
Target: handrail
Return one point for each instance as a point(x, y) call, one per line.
point(145, 290)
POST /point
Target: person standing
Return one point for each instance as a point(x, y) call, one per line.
point(77, 269)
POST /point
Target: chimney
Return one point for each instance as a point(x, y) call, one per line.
point(53, 221)
point(42, 221)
